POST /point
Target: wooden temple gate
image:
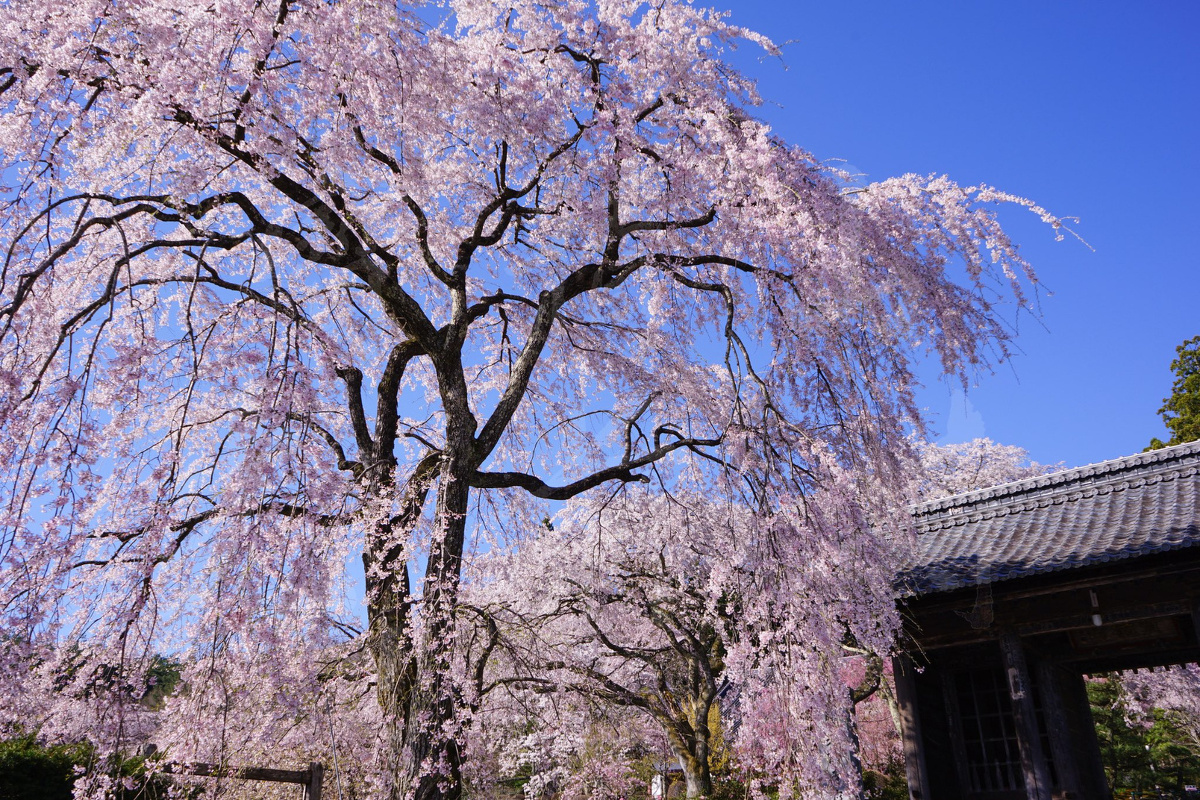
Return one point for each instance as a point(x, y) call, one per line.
point(1021, 590)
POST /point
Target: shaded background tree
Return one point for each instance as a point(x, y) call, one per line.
point(1181, 411)
point(635, 605)
point(950, 469)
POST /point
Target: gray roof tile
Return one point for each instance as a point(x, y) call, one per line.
point(1132, 506)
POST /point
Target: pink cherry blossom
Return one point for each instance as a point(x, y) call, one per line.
point(288, 287)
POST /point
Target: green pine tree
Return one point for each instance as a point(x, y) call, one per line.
point(1181, 411)
point(1140, 756)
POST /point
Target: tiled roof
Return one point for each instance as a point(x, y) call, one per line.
point(1133, 506)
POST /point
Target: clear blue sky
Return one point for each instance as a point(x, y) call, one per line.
point(1092, 109)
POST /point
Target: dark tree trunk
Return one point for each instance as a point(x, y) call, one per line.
point(696, 776)
point(431, 758)
point(387, 585)
point(390, 641)
point(416, 690)
point(431, 762)
point(689, 742)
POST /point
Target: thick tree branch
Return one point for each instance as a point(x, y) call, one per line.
point(622, 472)
point(353, 378)
point(637, 226)
point(356, 257)
point(387, 412)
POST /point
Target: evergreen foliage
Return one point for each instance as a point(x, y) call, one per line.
point(1181, 411)
point(1139, 754)
point(31, 771)
point(890, 784)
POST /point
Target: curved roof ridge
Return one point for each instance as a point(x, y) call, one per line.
point(1143, 464)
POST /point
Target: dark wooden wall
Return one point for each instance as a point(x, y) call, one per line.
point(1039, 636)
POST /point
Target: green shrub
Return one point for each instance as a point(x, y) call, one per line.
point(31, 771)
point(891, 784)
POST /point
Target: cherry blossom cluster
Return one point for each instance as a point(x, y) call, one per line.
point(307, 307)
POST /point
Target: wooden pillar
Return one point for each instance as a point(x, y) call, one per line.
point(954, 715)
point(910, 724)
point(1033, 760)
point(316, 779)
point(1196, 617)
point(1066, 748)
point(1089, 763)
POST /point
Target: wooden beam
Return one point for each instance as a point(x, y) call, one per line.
point(202, 770)
point(1077, 621)
point(1033, 760)
point(953, 639)
point(1028, 623)
point(1053, 582)
point(904, 672)
point(312, 779)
